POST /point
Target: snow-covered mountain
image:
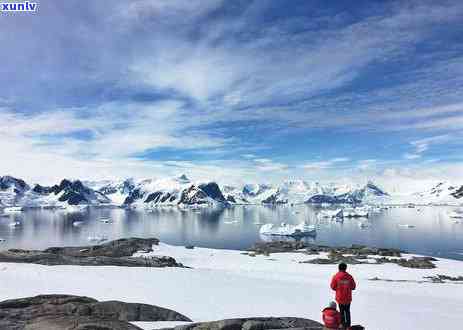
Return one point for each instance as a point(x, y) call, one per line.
point(15, 191)
point(118, 191)
point(11, 190)
point(298, 191)
point(181, 191)
point(248, 193)
point(442, 192)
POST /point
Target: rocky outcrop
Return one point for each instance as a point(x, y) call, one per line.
point(335, 257)
point(17, 185)
point(277, 247)
point(66, 312)
point(75, 192)
point(355, 254)
point(114, 253)
point(213, 191)
point(193, 196)
point(293, 246)
point(259, 323)
point(134, 195)
point(458, 193)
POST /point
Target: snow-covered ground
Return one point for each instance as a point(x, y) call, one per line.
point(227, 284)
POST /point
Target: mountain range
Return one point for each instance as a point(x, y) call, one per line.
point(181, 191)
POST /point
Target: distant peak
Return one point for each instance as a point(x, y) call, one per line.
point(183, 177)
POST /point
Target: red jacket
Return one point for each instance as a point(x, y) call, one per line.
point(343, 283)
point(331, 318)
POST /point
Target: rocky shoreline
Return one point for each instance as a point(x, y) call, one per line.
point(355, 254)
point(115, 253)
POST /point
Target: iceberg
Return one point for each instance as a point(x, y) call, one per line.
point(458, 213)
point(338, 213)
point(406, 225)
point(358, 212)
point(364, 224)
point(13, 209)
point(301, 230)
point(15, 224)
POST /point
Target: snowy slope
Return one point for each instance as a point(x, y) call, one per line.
point(227, 284)
point(442, 192)
point(117, 191)
point(252, 193)
point(298, 191)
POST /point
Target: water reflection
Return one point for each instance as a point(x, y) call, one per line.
point(434, 233)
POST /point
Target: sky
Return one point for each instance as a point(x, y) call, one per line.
point(234, 91)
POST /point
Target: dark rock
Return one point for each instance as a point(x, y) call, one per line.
point(41, 189)
point(213, 191)
point(133, 196)
point(274, 199)
point(19, 186)
point(417, 262)
point(277, 247)
point(458, 193)
point(319, 261)
point(443, 278)
point(319, 199)
point(114, 253)
point(293, 246)
point(259, 323)
point(66, 312)
point(75, 193)
point(193, 196)
point(153, 197)
point(356, 254)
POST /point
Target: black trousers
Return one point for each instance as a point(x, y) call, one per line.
point(345, 315)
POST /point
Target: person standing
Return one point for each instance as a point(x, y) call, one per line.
point(343, 283)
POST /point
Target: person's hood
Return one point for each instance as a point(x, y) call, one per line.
point(329, 308)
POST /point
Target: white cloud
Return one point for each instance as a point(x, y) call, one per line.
point(320, 165)
point(422, 145)
point(367, 164)
point(227, 72)
point(412, 156)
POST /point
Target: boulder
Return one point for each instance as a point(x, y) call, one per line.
point(114, 253)
point(258, 323)
point(66, 312)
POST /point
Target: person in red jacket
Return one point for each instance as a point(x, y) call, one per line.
point(343, 283)
point(331, 317)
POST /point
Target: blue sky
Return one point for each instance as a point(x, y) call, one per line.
point(234, 90)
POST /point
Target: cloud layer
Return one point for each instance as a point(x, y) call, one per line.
point(233, 90)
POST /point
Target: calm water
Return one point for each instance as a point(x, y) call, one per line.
point(235, 228)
